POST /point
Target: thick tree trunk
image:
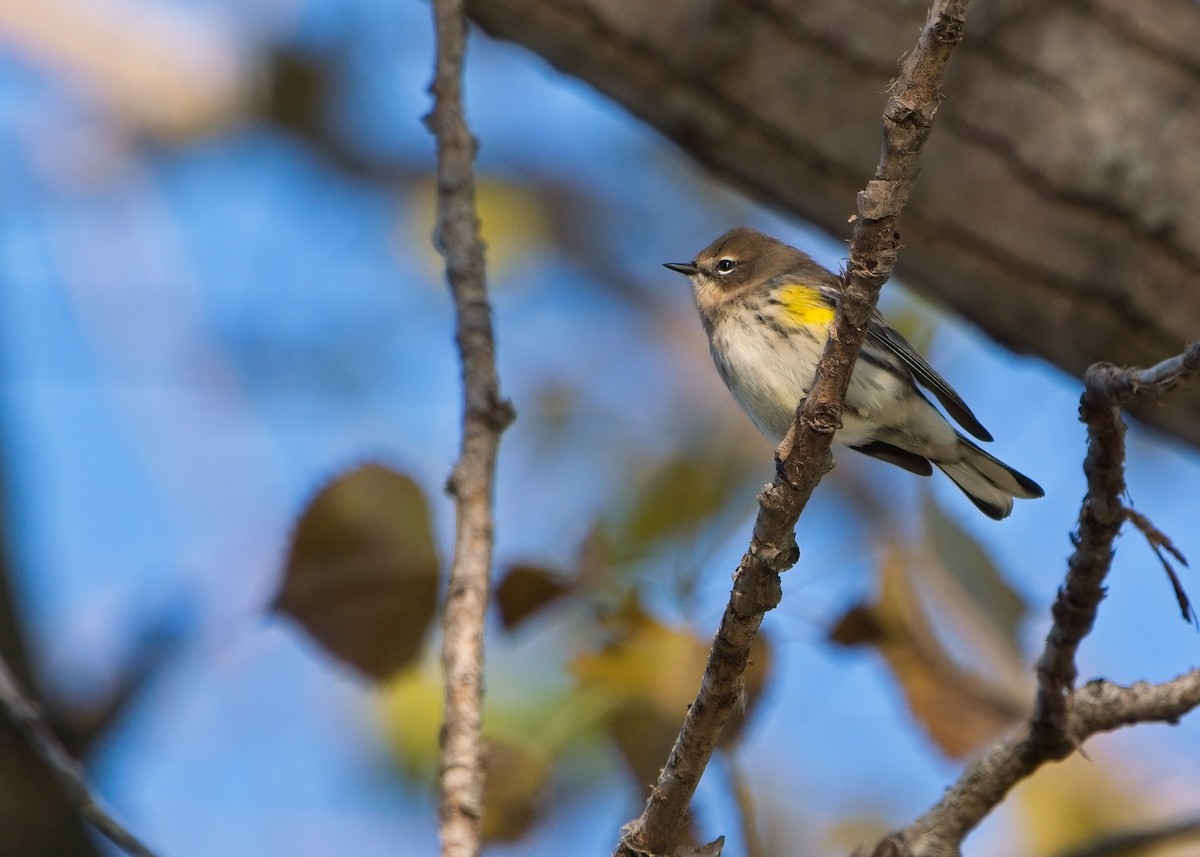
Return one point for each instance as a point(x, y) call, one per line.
point(1059, 206)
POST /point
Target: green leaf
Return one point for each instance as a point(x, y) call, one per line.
point(683, 496)
point(362, 572)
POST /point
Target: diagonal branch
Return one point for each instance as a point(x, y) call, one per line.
point(803, 457)
point(67, 771)
point(485, 416)
point(1097, 707)
point(1107, 389)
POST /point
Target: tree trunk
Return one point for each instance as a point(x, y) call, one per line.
point(1059, 205)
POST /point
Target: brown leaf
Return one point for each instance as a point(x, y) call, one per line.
point(362, 573)
point(958, 709)
point(526, 589)
point(515, 778)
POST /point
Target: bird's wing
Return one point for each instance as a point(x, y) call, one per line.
point(926, 376)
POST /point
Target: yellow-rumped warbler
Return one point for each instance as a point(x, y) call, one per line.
point(767, 309)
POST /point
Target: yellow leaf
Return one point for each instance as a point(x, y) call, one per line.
point(512, 221)
point(652, 672)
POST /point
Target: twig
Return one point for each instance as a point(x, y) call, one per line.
point(1097, 707)
point(1106, 389)
point(485, 417)
point(803, 457)
point(67, 771)
point(1136, 841)
point(1162, 545)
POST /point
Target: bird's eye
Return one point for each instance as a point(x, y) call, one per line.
point(724, 266)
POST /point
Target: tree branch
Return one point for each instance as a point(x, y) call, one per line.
point(1059, 212)
point(1063, 717)
point(803, 457)
point(485, 416)
point(1107, 389)
point(67, 771)
point(1097, 707)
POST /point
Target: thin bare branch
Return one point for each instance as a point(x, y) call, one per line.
point(803, 457)
point(1162, 545)
point(67, 771)
point(1106, 389)
point(1097, 707)
point(485, 416)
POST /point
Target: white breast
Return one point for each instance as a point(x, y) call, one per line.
point(769, 375)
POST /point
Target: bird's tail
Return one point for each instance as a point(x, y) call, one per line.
point(987, 481)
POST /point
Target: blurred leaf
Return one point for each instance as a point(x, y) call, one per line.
point(526, 589)
point(410, 711)
point(523, 740)
point(512, 220)
point(298, 91)
point(362, 574)
point(168, 70)
point(849, 833)
point(958, 709)
point(651, 672)
point(1071, 803)
point(679, 497)
point(515, 779)
point(971, 567)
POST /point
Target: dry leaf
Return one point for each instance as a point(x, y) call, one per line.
point(958, 709)
point(525, 590)
point(362, 574)
point(514, 780)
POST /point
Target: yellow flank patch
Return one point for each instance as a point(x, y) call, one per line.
point(804, 305)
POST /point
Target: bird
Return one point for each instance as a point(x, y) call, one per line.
point(767, 309)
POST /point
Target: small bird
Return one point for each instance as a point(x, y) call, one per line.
point(767, 309)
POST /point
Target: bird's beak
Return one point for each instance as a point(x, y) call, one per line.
point(685, 268)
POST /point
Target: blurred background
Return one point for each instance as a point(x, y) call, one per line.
point(219, 296)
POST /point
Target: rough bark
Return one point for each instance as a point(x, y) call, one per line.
point(1056, 207)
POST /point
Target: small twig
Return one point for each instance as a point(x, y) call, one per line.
point(803, 457)
point(1160, 542)
point(1097, 707)
point(1106, 389)
point(485, 417)
point(67, 771)
point(1136, 841)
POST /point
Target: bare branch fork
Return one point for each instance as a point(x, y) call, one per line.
point(803, 458)
point(1063, 718)
point(485, 416)
point(69, 774)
